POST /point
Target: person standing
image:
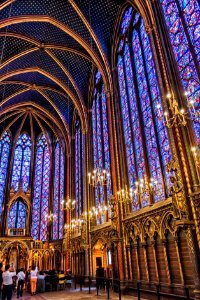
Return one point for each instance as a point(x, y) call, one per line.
point(34, 272)
point(7, 282)
point(20, 284)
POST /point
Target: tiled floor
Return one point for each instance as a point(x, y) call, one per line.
point(74, 295)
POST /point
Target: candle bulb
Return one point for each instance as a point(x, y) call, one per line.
point(166, 118)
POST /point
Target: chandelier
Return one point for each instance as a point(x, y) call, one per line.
point(98, 178)
point(143, 187)
point(124, 195)
point(177, 116)
point(50, 217)
point(68, 204)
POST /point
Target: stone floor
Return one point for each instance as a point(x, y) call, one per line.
point(72, 294)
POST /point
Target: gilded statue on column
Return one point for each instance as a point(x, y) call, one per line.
point(177, 193)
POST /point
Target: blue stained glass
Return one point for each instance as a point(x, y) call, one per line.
point(156, 100)
point(5, 143)
point(101, 149)
point(144, 132)
point(17, 215)
point(100, 199)
point(183, 22)
point(22, 162)
point(126, 19)
point(106, 139)
point(58, 193)
point(127, 126)
point(79, 177)
point(134, 115)
point(148, 124)
point(17, 168)
point(98, 76)
point(62, 173)
point(41, 190)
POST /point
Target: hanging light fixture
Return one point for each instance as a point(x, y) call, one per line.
point(178, 116)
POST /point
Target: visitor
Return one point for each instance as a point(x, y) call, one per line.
point(1, 279)
point(69, 278)
point(33, 276)
point(61, 278)
point(7, 282)
point(21, 281)
point(28, 278)
point(41, 282)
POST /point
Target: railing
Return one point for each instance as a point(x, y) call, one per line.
point(16, 231)
point(109, 284)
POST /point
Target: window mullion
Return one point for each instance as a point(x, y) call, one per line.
point(140, 118)
point(102, 149)
point(153, 113)
point(41, 189)
point(130, 121)
point(16, 216)
point(98, 158)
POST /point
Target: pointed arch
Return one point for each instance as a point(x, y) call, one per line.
point(17, 215)
point(21, 163)
point(5, 145)
point(145, 136)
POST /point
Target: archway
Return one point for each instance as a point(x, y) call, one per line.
point(101, 258)
point(16, 253)
point(17, 218)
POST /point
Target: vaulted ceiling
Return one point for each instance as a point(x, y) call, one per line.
point(48, 50)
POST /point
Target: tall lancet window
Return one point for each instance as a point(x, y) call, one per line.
point(79, 169)
point(5, 143)
point(21, 163)
point(17, 215)
point(101, 149)
point(145, 135)
point(58, 222)
point(41, 189)
point(183, 21)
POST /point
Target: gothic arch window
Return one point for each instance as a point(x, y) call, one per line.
point(79, 169)
point(58, 192)
point(182, 20)
point(21, 163)
point(101, 149)
point(41, 189)
point(5, 144)
point(17, 215)
point(145, 135)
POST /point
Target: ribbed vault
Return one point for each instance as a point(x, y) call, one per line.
point(48, 52)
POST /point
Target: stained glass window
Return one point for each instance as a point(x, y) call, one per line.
point(17, 215)
point(21, 163)
point(41, 189)
point(145, 136)
point(183, 21)
point(101, 150)
point(58, 193)
point(5, 143)
point(79, 169)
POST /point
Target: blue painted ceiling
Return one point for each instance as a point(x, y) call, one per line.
point(43, 53)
